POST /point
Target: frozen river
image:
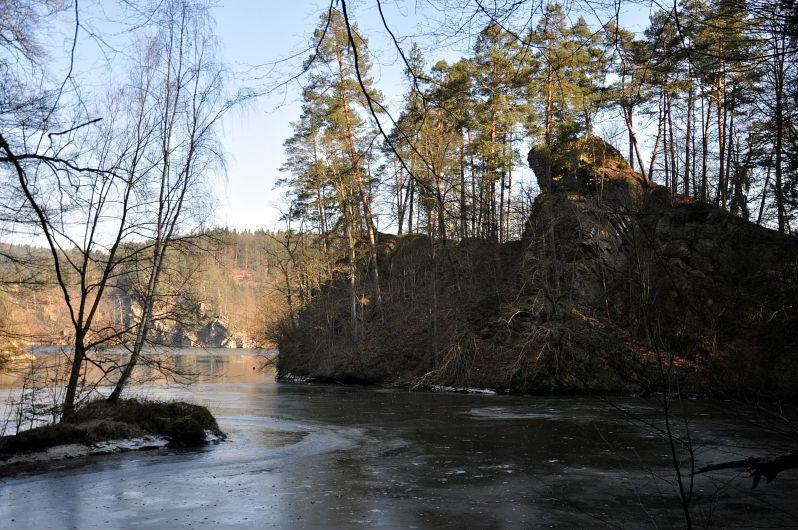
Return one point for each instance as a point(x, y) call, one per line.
point(308, 456)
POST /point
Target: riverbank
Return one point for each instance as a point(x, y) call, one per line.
point(421, 387)
point(99, 427)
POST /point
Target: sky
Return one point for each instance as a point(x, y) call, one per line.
point(259, 33)
point(264, 43)
point(251, 34)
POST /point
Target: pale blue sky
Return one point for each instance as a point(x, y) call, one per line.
point(265, 42)
point(258, 33)
point(254, 33)
point(263, 32)
point(256, 37)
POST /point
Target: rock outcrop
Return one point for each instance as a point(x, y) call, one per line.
point(189, 324)
point(586, 165)
point(201, 327)
point(613, 278)
point(683, 280)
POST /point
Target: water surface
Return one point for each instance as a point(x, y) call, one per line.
point(308, 456)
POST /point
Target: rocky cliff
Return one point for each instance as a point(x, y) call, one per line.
point(207, 329)
point(613, 280)
point(187, 323)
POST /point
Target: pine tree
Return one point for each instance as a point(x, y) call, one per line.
point(500, 109)
point(329, 153)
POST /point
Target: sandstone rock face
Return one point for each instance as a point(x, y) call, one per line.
point(208, 332)
point(194, 325)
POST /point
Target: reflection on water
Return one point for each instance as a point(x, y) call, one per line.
point(217, 365)
point(162, 366)
point(32, 389)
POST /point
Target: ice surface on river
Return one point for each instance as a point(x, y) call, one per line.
point(310, 456)
point(505, 413)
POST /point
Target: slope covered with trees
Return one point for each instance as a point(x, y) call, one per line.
point(612, 282)
point(218, 289)
point(664, 252)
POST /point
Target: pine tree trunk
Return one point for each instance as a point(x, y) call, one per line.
point(509, 200)
point(765, 186)
point(720, 195)
point(655, 149)
point(672, 146)
point(401, 203)
point(358, 177)
point(412, 191)
point(778, 75)
point(463, 209)
point(705, 149)
point(628, 115)
point(501, 202)
point(688, 132)
point(730, 182)
point(350, 235)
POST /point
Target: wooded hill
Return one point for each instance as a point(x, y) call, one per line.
point(614, 283)
point(218, 291)
point(669, 252)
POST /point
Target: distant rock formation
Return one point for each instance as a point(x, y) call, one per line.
point(198, 326)
point(211, 296)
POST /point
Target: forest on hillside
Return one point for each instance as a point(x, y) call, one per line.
point(702, 104)
point(221, 285)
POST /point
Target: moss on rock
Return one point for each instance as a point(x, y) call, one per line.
point(581, 165)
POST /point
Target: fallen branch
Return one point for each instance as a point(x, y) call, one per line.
point(758, 467)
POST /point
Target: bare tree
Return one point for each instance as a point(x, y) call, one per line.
point(183, 94)
point(109, 189)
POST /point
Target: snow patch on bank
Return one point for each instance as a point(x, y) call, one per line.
point(134, 444)
point(292, 378)
point(70, 451)
point(461, 389)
